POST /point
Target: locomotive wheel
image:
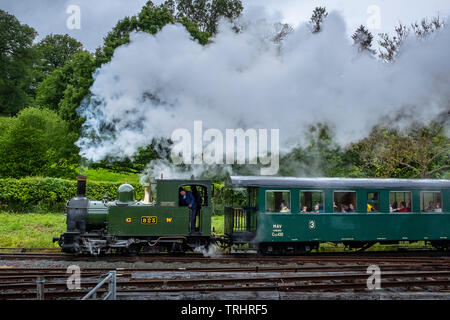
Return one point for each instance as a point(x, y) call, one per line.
point(133, 250)
point(176, 249)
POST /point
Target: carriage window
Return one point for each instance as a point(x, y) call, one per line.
point(344, 201)
point(372, 202)
point(430, 201)
point(311, 201)
point(400, 201)
point(278, 201)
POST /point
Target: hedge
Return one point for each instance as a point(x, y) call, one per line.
point(35, 194)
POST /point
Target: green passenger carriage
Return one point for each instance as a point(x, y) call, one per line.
point(356, 212)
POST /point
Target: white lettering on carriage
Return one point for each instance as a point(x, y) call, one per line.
point(277, 230)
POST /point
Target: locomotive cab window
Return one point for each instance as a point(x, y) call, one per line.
point(430, 201)
point(311, 201)
point(199, 193)
point(344, 201)
point(278, 201)
point(400, 201)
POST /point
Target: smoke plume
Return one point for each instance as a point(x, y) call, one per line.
point(158, 83)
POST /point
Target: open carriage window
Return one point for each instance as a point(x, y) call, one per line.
point(199, 193)
point(400, 201)
point(278, 201)
point(344, 201)
point(430, 201)
point(311, 201)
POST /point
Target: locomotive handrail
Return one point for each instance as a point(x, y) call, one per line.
point(111, 295)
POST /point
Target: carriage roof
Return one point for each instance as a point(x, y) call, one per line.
point(334, 183)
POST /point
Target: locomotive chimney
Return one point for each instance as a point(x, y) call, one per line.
point(81, 186)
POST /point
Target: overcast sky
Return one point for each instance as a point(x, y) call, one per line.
point(97, 17)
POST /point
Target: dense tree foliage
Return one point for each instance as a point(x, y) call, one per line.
point(65, 88)
point(207, 13)
point(417, 152)
point(37, 143)
point(55, 50)
point(16, 64)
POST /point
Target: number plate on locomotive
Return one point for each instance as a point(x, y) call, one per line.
point(149, 220)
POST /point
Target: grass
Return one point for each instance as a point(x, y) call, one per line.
point(218, 224)
point(331, 247)
point(31, 230)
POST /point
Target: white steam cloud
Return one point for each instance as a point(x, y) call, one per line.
point(162, 82)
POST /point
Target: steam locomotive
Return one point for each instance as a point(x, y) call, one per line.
point(272, 215)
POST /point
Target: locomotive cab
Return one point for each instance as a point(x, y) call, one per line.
point(127, 225)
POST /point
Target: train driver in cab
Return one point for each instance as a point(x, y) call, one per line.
point(189, 200)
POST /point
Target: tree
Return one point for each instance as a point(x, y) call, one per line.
point(16, 61)
point(317, 18)
point(425, 28)
point(281, 31)
point(207, 13)
point(142, 157)
point(55, 51)
point(320, 157)
point(37, 142)
point(390, 47)
point(418, 152)
point(200, 17)
point(151, 19)
point(362, 40)
point(65, 88)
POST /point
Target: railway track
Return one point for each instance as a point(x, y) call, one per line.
point(404, 257)
point(20, 283)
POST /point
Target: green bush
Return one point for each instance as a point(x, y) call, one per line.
point(35, 194)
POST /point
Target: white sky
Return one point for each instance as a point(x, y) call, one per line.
point(99, 16)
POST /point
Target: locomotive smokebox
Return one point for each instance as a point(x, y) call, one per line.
point(81, 186)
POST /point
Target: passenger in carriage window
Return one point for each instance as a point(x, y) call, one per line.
point(403, 207)
point(305, 209)
point(283, 207)
point(317, 208)
point(351, 208)
point(394, 207)
point(438, 208)
point(344, 208)
point(431, 207)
